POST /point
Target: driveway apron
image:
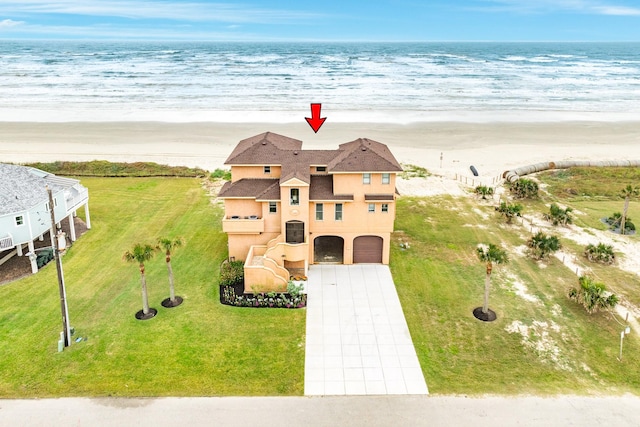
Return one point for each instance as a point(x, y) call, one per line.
point(357, 339)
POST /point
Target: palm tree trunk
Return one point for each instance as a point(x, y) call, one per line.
point(172, 291)
point(487, 283)
point(145, 298)
point(624, 215)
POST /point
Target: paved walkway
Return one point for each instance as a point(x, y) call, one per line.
point(357, 340)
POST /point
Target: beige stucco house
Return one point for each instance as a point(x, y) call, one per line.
point(287, 208)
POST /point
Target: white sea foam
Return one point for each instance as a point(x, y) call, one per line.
point(63, 81)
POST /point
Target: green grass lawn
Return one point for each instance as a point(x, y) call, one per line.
point(205, 348)
point(198, 348)
point(440, 281)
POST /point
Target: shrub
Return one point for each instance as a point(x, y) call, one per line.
point(223, 174)
point(593, 296)
point(559, 216)
point(105, 168)
point(229, 296)
point(484, 191)
point(524, 188)
point(600, 253)
point(614, 223)
point(293, 289)
point(232, 273)
point(509, 210)
point(541, 246)
point(412, 171)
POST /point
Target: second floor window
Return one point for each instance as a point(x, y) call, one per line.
point(366, 178)
point(294, 200)
point(273, 207)
point(338, 216)
point(372, 207)
point(20, 220)
point(267, 170)
point(386, 178)
point(319, 211)
point(385, 207)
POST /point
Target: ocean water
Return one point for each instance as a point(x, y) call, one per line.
point(71, 80)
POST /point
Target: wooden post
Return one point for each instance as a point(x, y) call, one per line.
point(66, 330)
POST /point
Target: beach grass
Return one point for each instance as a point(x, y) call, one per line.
point(541, 343)
point(103, 168)
point(590, 182)
point(200, 348)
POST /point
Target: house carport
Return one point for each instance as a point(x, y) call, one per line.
point(328, 250)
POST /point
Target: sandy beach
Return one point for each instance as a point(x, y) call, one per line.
point(490, 147)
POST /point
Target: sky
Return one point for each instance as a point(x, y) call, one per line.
point(330, 20)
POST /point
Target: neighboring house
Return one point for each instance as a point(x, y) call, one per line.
point(24, 207)
point(286, 208)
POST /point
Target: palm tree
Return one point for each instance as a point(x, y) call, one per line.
point(600, 253)
point(542, 245)
point(627, 192)
point(509, 210)
point(489, 254)
point(169, 245)
point(593, 296)
point(524, 188)
point(484, 191)
point(559, 216)
point(141, 254)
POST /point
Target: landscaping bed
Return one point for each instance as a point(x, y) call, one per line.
point(229, 296)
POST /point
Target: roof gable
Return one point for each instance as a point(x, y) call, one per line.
point(364, 155)
point(294, 182)
point(263, 149)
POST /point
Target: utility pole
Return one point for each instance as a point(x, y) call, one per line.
point(66, 330)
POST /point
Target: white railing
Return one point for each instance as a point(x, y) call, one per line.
point(6, 243)
point(80, 199)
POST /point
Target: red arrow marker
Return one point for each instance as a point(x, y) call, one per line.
point(315, 121)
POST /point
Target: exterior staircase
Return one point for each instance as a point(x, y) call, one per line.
point(264, 270)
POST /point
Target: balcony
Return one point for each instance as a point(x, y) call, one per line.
point(243, 225)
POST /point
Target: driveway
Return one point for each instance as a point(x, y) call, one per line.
point(357, 339)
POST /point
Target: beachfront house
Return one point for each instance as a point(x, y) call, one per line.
point(287, 208)
point(25, 211)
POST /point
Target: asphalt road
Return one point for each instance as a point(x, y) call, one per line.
point(325, 411)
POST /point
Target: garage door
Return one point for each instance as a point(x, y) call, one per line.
point(367, 249)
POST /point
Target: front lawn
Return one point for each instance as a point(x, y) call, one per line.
point(199, 348)
point(541, 343)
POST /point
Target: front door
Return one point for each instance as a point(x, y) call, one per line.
point(295, 232)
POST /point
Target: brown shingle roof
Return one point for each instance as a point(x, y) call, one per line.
point(361, 155)
point(297, 163)
point(364, 155)
point(263, 189)
point(322, 189)
point(378, 197)
point(263, 149)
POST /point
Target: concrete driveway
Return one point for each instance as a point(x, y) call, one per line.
point(357, 340)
